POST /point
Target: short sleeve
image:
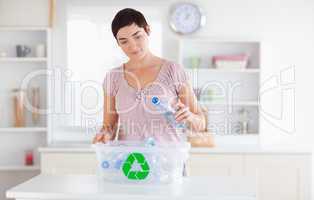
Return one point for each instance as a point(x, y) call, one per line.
point(179, 76)
point(111, 82)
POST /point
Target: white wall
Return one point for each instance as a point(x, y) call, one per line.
point(24, 13)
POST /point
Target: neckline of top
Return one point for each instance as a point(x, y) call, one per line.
point(148, 84)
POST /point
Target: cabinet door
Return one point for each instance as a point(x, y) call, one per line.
point(215, 165)
point(285, 177)
point(68, 163)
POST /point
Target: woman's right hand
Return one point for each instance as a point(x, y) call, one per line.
point(102, 138)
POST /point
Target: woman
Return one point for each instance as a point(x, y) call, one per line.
point(129, 89)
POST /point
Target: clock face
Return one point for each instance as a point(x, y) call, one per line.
point(186, 18)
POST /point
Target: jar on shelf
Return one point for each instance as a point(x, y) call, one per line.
point(19, 96)
point(195, 62)
point(29, 157)
point(244, 119)
point(35, 98)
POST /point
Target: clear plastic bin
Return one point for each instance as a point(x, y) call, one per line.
point(137, 162)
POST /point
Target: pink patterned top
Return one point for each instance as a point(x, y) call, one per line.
point(138, 117)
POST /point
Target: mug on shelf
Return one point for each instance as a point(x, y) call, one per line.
point(22, 50)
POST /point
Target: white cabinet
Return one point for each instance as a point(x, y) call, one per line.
point(215, 165)
point(285, 177)
point(68, 163)
point(85, 163)
point(279, 175)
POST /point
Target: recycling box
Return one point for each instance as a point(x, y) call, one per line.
point(137, 162)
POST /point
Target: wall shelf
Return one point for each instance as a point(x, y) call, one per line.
point(19, 168)
point(24, 28)
point(235, 103)
point(25, 59)
point(23, 130)
point(212, 70)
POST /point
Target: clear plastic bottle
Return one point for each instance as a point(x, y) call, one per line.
point(149, 142)
point(167, 111)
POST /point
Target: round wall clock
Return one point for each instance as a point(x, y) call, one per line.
point(186, 18)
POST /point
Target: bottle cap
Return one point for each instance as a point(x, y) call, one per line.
point(150, 141)
point(155, 100)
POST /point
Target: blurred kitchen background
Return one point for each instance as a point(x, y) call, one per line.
point(250, 66)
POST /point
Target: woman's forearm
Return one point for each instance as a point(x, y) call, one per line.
point(197, 122)
point(110, 129)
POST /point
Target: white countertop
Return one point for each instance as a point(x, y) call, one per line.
point(230, 149)
point(88, 187)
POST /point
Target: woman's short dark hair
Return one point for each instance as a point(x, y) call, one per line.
point(126, 17)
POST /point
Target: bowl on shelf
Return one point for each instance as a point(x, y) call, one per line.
point(239, 61)
point(194, 62)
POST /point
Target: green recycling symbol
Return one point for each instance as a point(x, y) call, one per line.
point(135, 175)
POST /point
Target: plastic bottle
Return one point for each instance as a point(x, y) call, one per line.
point(149, 142)
point(167, 111)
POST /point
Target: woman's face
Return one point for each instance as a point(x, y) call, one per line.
point(133, 40)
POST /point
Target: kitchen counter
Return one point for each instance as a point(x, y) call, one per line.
point(243, 149)
point(46, 187)
point(287, 167)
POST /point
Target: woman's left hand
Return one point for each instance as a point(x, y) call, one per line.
point(183, 113)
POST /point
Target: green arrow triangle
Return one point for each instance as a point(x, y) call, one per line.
point(126, 167)
point(145, 166)
point(132, 175)
point(139, 157)
point(142, 174)
point(130, 159)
